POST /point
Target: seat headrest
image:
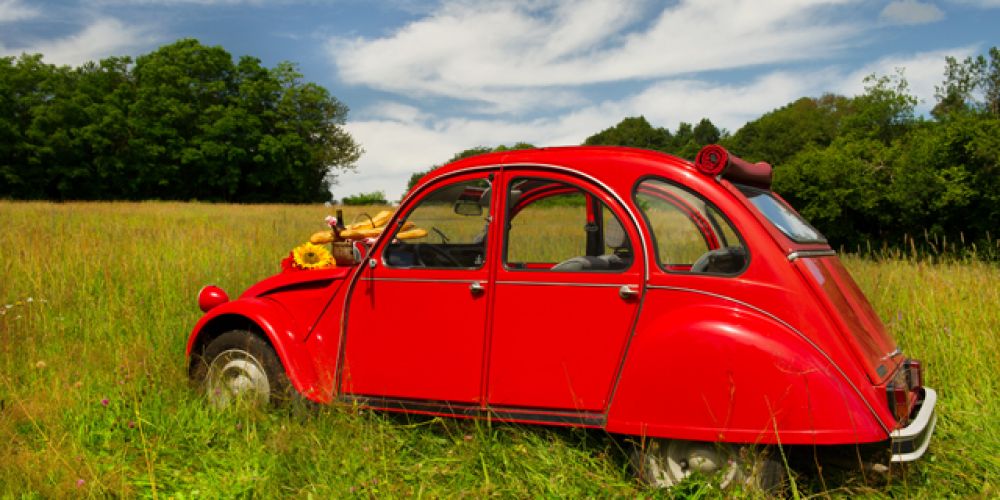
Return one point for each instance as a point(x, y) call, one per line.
point(614, 235)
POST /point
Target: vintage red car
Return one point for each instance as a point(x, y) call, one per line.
point(680, 303)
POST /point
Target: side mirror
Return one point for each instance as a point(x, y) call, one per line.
point(468, 207)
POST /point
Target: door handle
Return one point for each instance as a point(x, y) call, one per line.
point(627, 292)
point(477, 288)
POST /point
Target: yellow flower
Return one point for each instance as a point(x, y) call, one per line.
point(310, 256)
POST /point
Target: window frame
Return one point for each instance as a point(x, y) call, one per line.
point(488, 175)
point(652, 234)
point(562, 178)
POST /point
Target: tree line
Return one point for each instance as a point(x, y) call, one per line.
point(867, 170)
point(186, 121)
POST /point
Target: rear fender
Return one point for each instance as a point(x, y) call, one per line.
point(740, 376)
point(267, 317)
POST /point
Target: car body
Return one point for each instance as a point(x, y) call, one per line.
point(602, 287)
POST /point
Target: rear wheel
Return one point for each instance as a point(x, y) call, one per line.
point(664, 463)
point(241, 366)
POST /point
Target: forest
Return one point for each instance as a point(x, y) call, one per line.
point(190, 122)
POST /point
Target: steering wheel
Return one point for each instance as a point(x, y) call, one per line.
point(431, 255)
point(444, 239)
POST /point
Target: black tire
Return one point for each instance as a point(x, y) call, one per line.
point(240, 365)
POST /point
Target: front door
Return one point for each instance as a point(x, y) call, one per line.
point(416, 320)
point(567, 293)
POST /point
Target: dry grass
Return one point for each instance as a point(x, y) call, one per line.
point(94, 397)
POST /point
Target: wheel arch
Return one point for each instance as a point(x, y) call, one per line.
point(270, 321)
point(712, 372)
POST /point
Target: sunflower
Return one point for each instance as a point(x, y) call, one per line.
point(311, 256)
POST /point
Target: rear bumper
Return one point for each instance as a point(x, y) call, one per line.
point(909, 443)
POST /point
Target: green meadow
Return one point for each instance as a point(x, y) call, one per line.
point(97, 301)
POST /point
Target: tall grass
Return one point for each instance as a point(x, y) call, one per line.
point(94, 398)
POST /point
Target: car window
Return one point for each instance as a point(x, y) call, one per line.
point(690, 234)
point(447, 228)
point(784, 218)
point(555, 226)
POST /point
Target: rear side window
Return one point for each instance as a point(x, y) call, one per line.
point(690, 234)
point(783, 217)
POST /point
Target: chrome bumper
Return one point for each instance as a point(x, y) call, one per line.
point(909, 443)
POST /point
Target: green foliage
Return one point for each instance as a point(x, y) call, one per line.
point(185, 122)
point(780, 134)
point(636, 132)
point(372, 198)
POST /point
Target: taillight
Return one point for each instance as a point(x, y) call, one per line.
point(899, 404)
point(914, 373)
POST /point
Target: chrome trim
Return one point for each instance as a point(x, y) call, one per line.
point(559, 283)
point(790, 327)
point(811, 253)
point(895, 352)
point(609, 191)
point(910, 443)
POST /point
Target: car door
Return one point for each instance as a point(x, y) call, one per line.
point(566, 295)
point(416, 317)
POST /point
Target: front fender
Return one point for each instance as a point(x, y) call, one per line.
point(269, 318)
point(740, 376)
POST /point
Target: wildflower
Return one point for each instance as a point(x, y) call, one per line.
point(40, 364)
point(29, 300)
point(9, 306)
point(80, 482)
point(104, 402)
point(131, 424)
point(331, 221)
point(467, 437)
point(239, 426)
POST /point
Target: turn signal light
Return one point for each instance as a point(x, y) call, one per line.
point(211, 296)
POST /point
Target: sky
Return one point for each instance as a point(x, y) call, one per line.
point(427, 79)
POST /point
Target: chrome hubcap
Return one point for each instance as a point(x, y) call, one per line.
point(236, 374)
point(670, 462)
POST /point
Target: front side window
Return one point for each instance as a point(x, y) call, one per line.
point(446, 229)
point(555, 226)
point(783, 218)
point(690, 234)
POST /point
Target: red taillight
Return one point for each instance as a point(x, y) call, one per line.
point(914, 373)
point(899, 404)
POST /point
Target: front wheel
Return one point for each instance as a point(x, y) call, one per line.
point(239, 365)
point(664, 463)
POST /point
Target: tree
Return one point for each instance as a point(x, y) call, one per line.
point(634, 132)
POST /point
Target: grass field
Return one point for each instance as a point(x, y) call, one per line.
point(97, 300)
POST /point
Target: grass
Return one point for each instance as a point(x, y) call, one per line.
point(94, 398)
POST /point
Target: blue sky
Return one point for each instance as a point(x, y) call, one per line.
point(425, 80)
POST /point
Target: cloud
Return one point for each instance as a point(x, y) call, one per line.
point(102, 38)
point(504, 54)
point(15, 10)
point(910, 12)
point(984, 4)
point(922, 71)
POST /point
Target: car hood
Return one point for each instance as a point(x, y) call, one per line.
point(296, 279)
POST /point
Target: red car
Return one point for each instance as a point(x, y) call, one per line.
point(683, 304)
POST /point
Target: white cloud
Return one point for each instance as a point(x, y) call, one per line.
point(922, 71)
point(400, 140)
point(102, 38)
point(15, 10)
point(495, 53)
point(909, 12)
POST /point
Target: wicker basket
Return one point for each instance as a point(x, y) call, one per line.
point(343, 253)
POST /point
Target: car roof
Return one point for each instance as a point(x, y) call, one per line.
point(607, 163)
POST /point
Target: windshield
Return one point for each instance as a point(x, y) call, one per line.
point(786, 220)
